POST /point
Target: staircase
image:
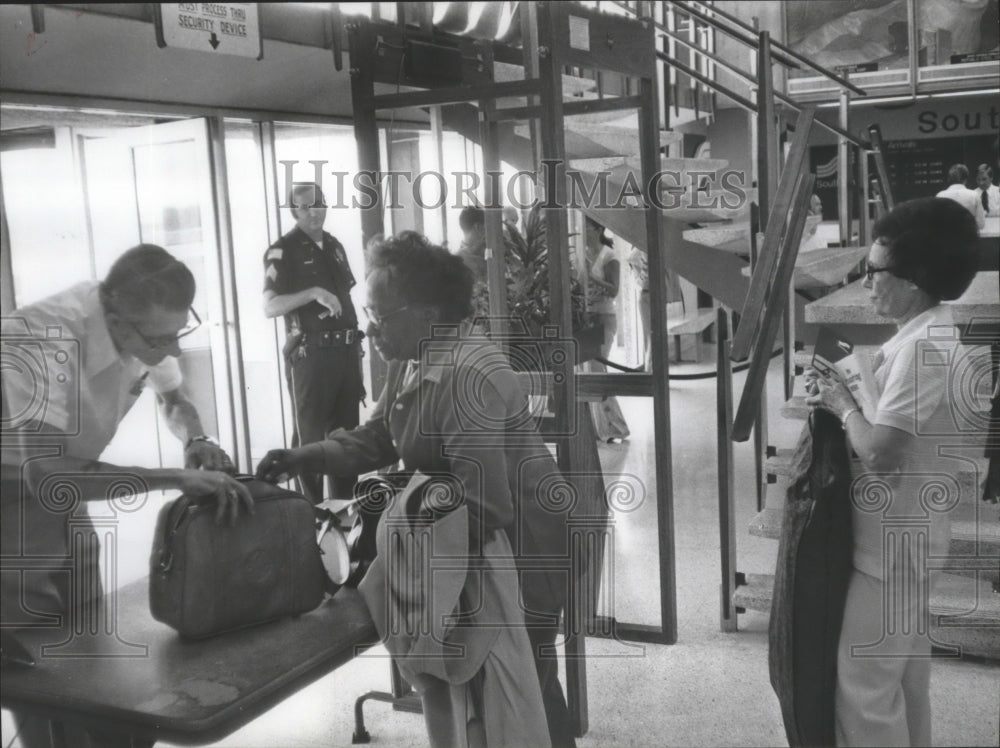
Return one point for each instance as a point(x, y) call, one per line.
point(706, 228)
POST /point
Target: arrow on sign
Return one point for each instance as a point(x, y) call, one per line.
point(214, 41)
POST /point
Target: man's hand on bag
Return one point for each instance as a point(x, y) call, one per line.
point(279, 465)
point(207, 456)
point(208, 485)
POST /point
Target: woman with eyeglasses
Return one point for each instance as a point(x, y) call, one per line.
point(452, 408)
point(902, 487)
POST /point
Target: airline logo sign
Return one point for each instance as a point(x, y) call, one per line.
point(225, 28)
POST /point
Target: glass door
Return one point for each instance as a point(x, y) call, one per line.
point(153, 184)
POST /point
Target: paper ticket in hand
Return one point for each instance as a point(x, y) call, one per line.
point(835, 357)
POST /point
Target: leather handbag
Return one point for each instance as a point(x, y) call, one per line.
point(206, 578)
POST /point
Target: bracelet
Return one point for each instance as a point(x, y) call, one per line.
point(203, 438)
point(847, 414)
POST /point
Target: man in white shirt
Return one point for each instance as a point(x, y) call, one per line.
point(958, 176)
point(987, 193)
point(73, 365)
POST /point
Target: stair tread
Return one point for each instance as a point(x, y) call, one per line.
point(986, 531)
point(781, 463)
point(692, 321)
point(618, 142)
point(621, 165)
point(795, 408)
point(504, 72)
point(952, 597)
point(617, 121)
point(733, 237)
point(803, 357)
point(851, 304)
point(820, 268)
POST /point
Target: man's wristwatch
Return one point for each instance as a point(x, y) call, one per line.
point(203, 438)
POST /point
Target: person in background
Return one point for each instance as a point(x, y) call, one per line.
point(987, 193)
point(639, 262)
point(925, 253)
point(452, 407)
point(511, 218)
point(472, 220)
point(958, 177)
point(308, 281)
point(603, 284)
point(96, 346)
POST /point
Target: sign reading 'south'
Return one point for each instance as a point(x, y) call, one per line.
point(224, 28)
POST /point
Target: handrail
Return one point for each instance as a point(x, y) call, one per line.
point(723, 89)
point(749, 105)
point(694, 12)
point(750, 41)
point(742, 101)
point(787, 251)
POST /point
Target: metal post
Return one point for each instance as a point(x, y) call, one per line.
point(727, 487)
point(865, 218)
point(767, 156)
point(843, 173)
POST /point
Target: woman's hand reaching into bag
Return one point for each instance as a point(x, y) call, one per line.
point(279, 465)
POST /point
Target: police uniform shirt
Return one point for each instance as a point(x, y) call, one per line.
point(294, 263)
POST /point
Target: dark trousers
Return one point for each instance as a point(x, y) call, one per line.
point(547, 663)
point(326, 386)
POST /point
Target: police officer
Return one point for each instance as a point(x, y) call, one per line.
point(308, 281)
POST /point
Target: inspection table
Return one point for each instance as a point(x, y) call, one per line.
point(140, 680)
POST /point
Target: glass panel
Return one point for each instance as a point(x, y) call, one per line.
point(270, 420)
point(45, 219)
point(167, 194)
point(839, 35)
point(333, 151)
point(953, 32)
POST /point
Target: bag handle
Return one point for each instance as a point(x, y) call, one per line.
point(174, 518)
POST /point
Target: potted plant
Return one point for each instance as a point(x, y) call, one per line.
point(529, 302)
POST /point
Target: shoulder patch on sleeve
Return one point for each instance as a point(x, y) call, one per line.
point(272, 272)
point(274, 253)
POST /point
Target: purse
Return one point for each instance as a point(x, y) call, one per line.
point(206, 578)
point(347, 549)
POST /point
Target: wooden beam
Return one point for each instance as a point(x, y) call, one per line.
point(762, 278)
point(746, 414)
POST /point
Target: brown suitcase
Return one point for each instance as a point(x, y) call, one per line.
point(206, 578)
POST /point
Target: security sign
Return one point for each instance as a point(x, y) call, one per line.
point(225, 28)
